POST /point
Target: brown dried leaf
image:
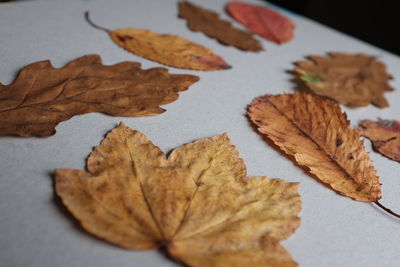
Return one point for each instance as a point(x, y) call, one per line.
point(197, 203)
point(315, 131)
point(167, 49)
point(352, 80)
point(43, 96)
point(385, 136)
point(208, 22)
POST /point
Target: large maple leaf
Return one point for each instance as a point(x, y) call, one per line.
point(197, 203)
point(43, 96)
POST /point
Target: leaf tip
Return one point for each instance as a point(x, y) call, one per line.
point(122, 124)
point(226, 67)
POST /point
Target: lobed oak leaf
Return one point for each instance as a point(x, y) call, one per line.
point(196, 203)
point(352, 80)
point(264, 21)
point(315, 131)
point(167, 49)
point(385, 136)
point(43, 96)
point(208, 22)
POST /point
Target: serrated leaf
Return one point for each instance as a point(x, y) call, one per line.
point(317, 134)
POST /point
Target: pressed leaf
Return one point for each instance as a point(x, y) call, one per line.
point(43, 96)
point(167, 49)
point(197, 203)
point(315, 131)
point(385, 136)
point(208, 22)
point(263, 21)
point(352, 80)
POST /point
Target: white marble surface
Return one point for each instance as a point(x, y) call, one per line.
point(36, 231)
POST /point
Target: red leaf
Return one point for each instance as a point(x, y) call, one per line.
point(263, 21)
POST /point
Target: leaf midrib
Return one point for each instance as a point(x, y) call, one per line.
point(314, 141)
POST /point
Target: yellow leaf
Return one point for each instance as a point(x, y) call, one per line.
point(315, 131)
point(167, 49)
point(196, 203)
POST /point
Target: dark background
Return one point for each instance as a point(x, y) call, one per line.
point(376, 22)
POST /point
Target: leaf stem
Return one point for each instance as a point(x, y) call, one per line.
point(386, 209)
point(92, 24)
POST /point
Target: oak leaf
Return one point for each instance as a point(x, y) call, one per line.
point(385, 136)
point(196, 203)
point(315, 131)
point(43, 96)
point(167, 49)
point(208, 22)
point(352, 80)
point(264, 21)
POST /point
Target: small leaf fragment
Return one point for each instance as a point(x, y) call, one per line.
point(196, 203)
point(352, 80)
point(317, 134)
point(264, 21)
point(385, 136)
point(167, 49)
point(43, 96)
point(208, 22)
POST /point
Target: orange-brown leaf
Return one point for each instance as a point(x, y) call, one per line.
point(385, 136)
point(196, 203)
point(315, 131)
point(208, 22)
point(263, 21)
point(43, 96)
point(167, 49)
point(352, 80)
